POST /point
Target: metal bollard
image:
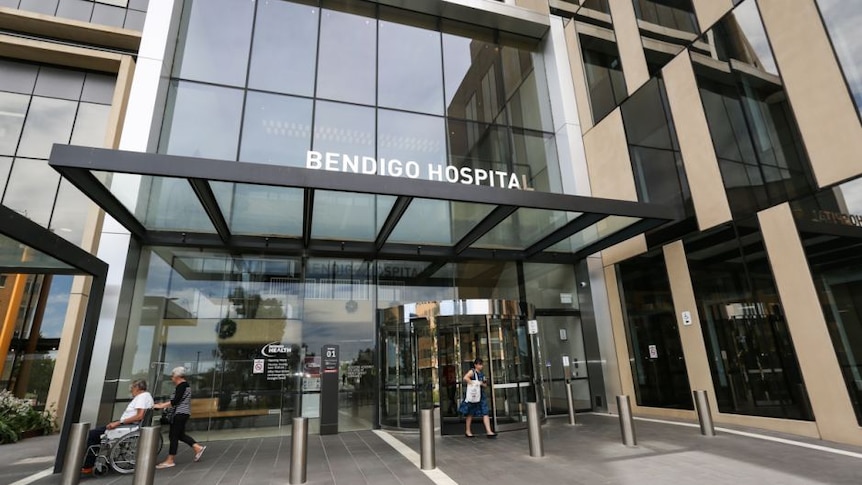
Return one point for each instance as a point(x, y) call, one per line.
point(145, 458)
point(426, 439)
point(704, 415)
point(534, 431)
point(298, 450)
point(627, 424)
point(571, 399)
point(75, 452)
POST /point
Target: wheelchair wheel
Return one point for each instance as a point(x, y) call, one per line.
point(122, 454)
point(100, 468)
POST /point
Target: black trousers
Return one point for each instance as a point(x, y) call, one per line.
point(178, 433)
point(94, 437)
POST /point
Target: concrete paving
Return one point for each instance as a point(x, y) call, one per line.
point(590, 453)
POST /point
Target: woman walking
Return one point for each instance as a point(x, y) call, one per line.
point(181, 402)
point(475, 377)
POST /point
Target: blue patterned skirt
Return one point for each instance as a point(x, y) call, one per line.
point(474, 408)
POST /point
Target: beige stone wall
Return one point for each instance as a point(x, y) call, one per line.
point(821, 102)
point(709, 11)
point(629, 44)
point(698, 155)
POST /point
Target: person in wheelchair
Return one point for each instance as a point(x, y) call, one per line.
point(141, 402)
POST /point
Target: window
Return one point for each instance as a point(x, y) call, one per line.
point(673, 14)
point(605, 80)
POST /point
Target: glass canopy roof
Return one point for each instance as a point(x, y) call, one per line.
point(27, 247)
point(170, 200)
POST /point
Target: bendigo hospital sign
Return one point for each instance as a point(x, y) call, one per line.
point(342, 162)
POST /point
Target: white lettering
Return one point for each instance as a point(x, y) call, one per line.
point(350, 163)
point(466, 175)
point(342, 162)
point(369, 165)
point(412, 169)
point(502, 177)
point(451, 174)
point(513, 182)
point(480, 175)
point(313, 159)
point(332, 162)
point(435, 171)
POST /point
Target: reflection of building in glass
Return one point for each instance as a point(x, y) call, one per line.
point(672, 157)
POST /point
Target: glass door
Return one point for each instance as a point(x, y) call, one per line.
point(510, 372)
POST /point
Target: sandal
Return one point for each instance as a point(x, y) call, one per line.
point(163, 465)
point(199, 454)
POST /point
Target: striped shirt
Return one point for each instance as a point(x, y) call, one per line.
point(181, 399)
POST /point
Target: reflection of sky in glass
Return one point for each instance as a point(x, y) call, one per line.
point(842, 19)
point(851, 192)
point(748, 17)
point(55, 310)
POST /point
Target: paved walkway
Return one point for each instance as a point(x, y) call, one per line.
point(590, 453)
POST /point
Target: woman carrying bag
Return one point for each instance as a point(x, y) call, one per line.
point(475, 403)
point(181, 407)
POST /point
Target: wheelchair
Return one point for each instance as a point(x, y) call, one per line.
point(119, 446)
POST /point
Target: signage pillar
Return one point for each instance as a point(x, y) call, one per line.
point(329, 367)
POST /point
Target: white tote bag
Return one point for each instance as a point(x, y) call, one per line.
point(474, 392)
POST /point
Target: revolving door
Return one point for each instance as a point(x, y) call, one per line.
point(426, 348)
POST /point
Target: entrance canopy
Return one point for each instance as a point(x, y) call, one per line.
point(175, 200)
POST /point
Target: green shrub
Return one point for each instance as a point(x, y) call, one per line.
point(18, 416)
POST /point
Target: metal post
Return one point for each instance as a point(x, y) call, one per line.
point(534, 430)
point(627, 424)
point(145, 458)
point(298, 450)
point(426, 439)
point(75, 454)
point(571, 399)
point(704, 415)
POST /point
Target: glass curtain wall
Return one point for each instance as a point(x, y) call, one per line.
point(40, 106)
point(672, 14)
point(38, 313)
point(751, 355)
point(268, 81)
point(606, 82)
point(754, 132)
point(830, 226)
point(653, 147)
point(658, 364)
point(249, 328)
point(129, 14)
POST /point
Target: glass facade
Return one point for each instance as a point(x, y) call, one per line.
point(830, 227)
point(606, 82)
point(216, 313)
point(128, 14)
point(658, 364)
point(672, 14)
point(653, 148)
point(759, 149)
point(373, 82)
point(751, 356)
point(40, 106)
